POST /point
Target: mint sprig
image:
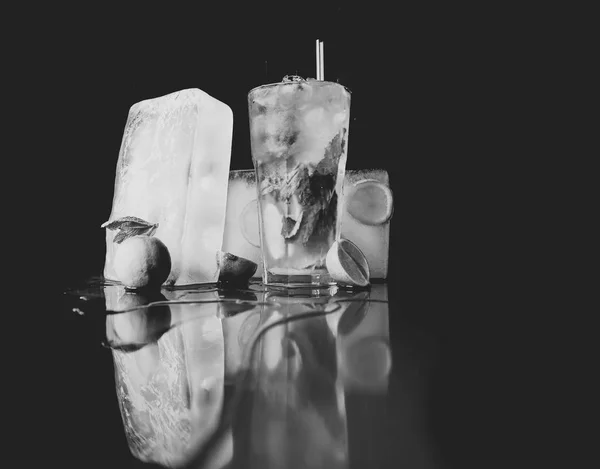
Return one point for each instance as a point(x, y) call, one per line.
point(128, 227)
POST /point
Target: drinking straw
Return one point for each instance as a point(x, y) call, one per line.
point(318, 77)
point(322, 58)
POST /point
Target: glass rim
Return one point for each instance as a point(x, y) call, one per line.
point(268, 85)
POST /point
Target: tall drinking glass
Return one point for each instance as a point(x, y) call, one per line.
point(299, 143)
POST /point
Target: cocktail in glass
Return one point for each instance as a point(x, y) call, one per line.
point(299, 142)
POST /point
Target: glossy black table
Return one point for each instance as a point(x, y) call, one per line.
point(247, 378)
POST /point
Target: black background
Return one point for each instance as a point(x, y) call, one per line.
point(433, 103)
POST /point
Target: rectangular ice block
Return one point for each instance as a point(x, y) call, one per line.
point(173, 170)
point(242, 238)
point(372, 239)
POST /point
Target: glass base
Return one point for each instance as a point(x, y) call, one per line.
point(319, 279)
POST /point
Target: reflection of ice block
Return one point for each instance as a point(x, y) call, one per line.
point(161, 389)
point(364, 353)
point(153, 395)
point(241, 236)
point(373, 240)
point(241, 227)
point(206, 307)
point(173, 170)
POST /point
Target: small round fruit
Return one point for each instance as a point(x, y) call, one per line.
point(142, 262)
point(347, 265)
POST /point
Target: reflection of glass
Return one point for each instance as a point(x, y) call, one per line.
point(238, 330)
point(296, 415)
point(170, 392)
point(298, 136)
point(302, 296)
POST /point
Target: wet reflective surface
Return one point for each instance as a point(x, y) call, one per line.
point(256, 377)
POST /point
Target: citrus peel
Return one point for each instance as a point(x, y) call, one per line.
point(347, 265)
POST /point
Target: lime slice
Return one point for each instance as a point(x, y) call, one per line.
point(370, 202)
point(249, 223)
point(347, 265)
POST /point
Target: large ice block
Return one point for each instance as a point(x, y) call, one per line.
point(173, 170)
point(241, 227)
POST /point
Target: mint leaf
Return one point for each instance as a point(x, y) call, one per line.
point(329, 162)
point(325, 222)
point(295, 182)
point(130, 222)
point(308, 224)
point(271, 176)
point(126, 233)
point(290, 226)
point(130, 226)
